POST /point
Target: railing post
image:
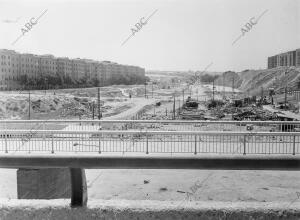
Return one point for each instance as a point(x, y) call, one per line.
point(147, 150)
point(44, 136)
point(5, 133)
point(195, 152)
point(244, 145)
point(52, 144)
point(99, 150)
point(294, 145)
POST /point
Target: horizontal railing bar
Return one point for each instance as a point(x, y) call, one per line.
point(158, 162)
point(151, 121)
point(238, 133)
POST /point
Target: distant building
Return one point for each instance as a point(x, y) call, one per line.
point(64, 67)
point(32, 69)
point(48, 65)
point(78, 69)
point(30, 65)
point(290, 58)
point(9, 69)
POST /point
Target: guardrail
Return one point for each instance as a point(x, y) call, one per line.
point(78, 163)
point(152, 125)
point(149, 142)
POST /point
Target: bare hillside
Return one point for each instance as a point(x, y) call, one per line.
point(254, 80)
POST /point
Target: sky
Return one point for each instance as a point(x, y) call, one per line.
point(181, 35)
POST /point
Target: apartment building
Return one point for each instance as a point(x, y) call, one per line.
point(78, 69)
point(108, 71)
point(47, 65)
point(290, 58)
point(29, 65)
point(102, 71)
point(16, 67)
point(9, 68)
point(64, 67)
point(91, 69)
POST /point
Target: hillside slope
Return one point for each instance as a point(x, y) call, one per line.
point(253, 80)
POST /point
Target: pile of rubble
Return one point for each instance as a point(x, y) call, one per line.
point(253, 114)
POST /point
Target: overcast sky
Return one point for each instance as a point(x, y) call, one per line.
point(181, 35)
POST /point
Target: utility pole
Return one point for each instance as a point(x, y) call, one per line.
point(99, 111)
point(93, 109)
point(285, 97)
point(262, 95)
point(183, 95)
point(213, 91)
point(152, 89)
point(285, 91)
point(145, 90)
point(232, 86)
point(174, 108)
point(223, 84)
point(29, 104)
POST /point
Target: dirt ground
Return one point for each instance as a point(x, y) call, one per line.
point(164, 185)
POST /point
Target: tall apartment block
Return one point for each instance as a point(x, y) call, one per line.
point(290, 58)
point(64, 67)
point(15, 66)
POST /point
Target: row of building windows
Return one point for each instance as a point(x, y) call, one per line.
point(14, 63)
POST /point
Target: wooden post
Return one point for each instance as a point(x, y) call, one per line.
point(93, 109)
point(29, 105)
point(99, 111)
point(174, 108)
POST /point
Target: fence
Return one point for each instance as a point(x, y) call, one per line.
point(150, 125)
point(149, 142)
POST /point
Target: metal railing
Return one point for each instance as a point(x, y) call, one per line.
point(150, 125)
point(149, 142)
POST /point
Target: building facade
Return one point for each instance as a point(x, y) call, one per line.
point(64, 67)
point(290, 58)
point(28, 68)
point(9, 69)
